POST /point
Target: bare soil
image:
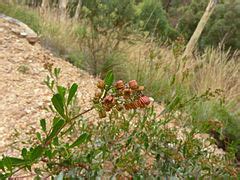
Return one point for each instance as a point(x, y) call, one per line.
point(24, 96)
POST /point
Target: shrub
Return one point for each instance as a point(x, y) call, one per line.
point(153, 18)
point(131, 141)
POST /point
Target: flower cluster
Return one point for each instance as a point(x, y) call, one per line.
point(120, 96)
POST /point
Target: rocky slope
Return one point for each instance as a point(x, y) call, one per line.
point(23, 94)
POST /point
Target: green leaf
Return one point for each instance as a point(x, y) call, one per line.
point(109, 79)
point(72, 92)
point(43, 125)
point(10, 162)
point(36, 153)
point(56, 129)
point(55, 141)
point(55, 121)
point(83, 138)
point(58, 104)
point(2, 165)
point(49, 153)
point(62, 91)
point(4, 176)
point(24, 153)
point(39, 137)
point(37, 177)
point(57, 72)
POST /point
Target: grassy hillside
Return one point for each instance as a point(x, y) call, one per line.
point(205, 86)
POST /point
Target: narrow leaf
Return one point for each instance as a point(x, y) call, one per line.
point(62, 91)
point(24, 153)
point(2, 165)
point(43, 124)
point(109, 79)
point(58, 104)
point(83, 138)
point(36, 153)
point(12, 161)
point(56, 129)
point(72, 92)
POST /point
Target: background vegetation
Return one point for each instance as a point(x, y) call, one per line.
point(144, 40)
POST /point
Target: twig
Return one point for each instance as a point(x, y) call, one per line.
point(77, 116)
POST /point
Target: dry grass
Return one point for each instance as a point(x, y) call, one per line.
point(152, 64)
point(61, 32)
point(217, 69)
point(158, 68)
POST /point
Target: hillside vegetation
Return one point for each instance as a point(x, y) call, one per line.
point(141, 40)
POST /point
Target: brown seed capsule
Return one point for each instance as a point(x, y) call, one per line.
point(127, 107)
point(131, 106)
point(144, 100)
point(109, 100)
point(101, 84)
point(136, 104)
point(133, 84)
point(141, 104)
point(119, 85)
point(127, 93)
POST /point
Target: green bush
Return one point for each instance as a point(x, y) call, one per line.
point(131, 140)
point(109, 14)
point(153, 18)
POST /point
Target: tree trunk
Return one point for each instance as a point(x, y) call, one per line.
point(78, 10)
point(63, 8)
point(197, 33)
point(45, 3)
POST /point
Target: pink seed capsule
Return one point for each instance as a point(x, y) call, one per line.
point(145, 100)
point(108, 99)
point(133, 84)
point(119, 85)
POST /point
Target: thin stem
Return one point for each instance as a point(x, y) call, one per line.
point(84, 112)
point(77, 116)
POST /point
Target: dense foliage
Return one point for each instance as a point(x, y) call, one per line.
point(223, 26)
point(153, 18)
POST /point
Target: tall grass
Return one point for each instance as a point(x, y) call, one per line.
point(158, 67)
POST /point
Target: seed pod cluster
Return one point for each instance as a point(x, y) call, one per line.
point(142, 102)
point(120, 96)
